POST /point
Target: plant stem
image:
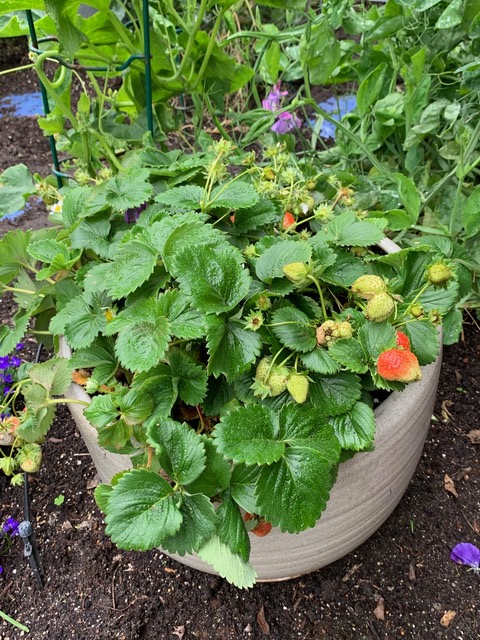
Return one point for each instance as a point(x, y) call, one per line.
point(320, 293)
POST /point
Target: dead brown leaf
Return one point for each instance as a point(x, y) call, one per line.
point(449, 485)
point(446, 415)
point(474, 436)
point(379, 611)
point(80, 377)
point(262, 621)
point(94, 482)
point(447, 618)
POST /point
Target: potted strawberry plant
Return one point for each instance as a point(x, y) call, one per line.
point(236, 343)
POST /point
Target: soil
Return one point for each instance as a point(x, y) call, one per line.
point(399, 584)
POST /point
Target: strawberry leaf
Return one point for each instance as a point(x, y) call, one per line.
point(424, 340)
point(231, 348)
point(333, 395)
point(270, 264)
point(228, 564)
point(350, 354)
point(199, 522)
point(81, 319)
point(216, 475)
point(355, 429)
point(376, 337)
point(294, 329)
point(231, 529)
point(190, 377)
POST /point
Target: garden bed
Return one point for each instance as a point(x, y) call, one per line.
point(401, 583)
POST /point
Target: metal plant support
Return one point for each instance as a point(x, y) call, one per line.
point(145, 56)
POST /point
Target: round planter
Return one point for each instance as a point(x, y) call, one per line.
point(368, 488)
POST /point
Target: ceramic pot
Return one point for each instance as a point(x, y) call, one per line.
point(368, 488)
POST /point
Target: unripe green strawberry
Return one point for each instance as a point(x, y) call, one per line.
point(30, 457)
point(262, 369)
point(297, 272)
point(380, 307)
point(368, 286)
point(398, 365)
point(277, 381)
point(416, 310)
point(331, 330)
point(402, 341)
point(297, 385)
point(343, 330)
point(439, 274)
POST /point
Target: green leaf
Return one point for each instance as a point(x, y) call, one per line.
point(133, 265)
point(471, 214)
point(249, 434)
point(143, 335)
point(81, 320)
point(231, 529)
point(135, 408)
point(55, 375)
point(9, 337)
point(180, 450)
point(320, 51)
point(16, 185)
point(127, 191)
point(141, 511)
point(355, 429)
point(73, 206)
point(55, 254)
point(260, 215)
point(333, 395)
point(234, 195)
point(171, 241)
point(189, 377)
point(350, 354)
point(452, 325)
point(17, 5)
point(216, 476)
point(92, 234)
point(370, 88)
point(99, 356)
point(159, 383)
point(347, 230)
point(102, 494)
point(270, 264)
point(102, 411)
point(242, 486)
point(231, 348)
point(214, 280)
point(185, 321)
point(199, 522)
point(40, 414)
point(424, 340)
point(376, 337)
point(227, 564)
point(294, 329)
point(440, 299)
point(319, 361)
point(185, 197)
point(409, 196)
point(451, 17)
point(293, 491)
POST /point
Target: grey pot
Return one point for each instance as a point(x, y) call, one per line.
point(368, 488)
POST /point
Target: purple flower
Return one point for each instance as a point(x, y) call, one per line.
point(11, 527)
point(286, 122)
point(274, 98)
point(132, 215)
point(6, 377)
point(4, 363)
point(19, 346)
point(1, 569)
point(15, 361)
point(6, 390)
point(466, 553)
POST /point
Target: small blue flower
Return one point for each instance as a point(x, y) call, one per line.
point(15, 361)
point(11, 526)
point(4, 363)
point(19, 346)
point(7, 377)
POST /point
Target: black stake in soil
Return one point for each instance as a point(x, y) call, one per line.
point(25, 529)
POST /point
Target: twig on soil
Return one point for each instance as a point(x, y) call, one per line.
point(102, 606)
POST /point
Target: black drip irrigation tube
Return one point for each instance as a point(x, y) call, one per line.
point(25, 528)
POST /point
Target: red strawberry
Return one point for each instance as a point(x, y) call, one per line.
point(398, 365)
point(261, 528)
point(288, 220)
point(402, 341)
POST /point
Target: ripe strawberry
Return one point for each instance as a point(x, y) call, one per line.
point(439, 274)
point(261, 527)
point(380, 307)
point(402, 341)
point(368, 286)
point(398, 365)
point(288, 220)
point(297, 272)
point(297, 385)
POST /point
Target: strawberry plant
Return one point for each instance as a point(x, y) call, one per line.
point(232, 356)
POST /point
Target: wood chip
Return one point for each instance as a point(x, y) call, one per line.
point(411, 573)
point(262, 621)
point(449, 485)
point(447, 618)
point(446, 415)
point(350, 572)
point(179, 631)
point(474, 436)
point(94, 482)
point(379, 611)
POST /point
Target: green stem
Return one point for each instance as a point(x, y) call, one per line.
point(15, 623)
point(25, 66)
point(50, 88)
point(211, 43)
point(320, 293)
point(53, 401)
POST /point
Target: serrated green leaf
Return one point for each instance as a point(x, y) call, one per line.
point(355, 429)
point(260, 215)
point(16, 185)
point(376, 337)
point(235, 195)
point(292, 492)
point(141, 511)
point(127, 191)
point(9, 336)
point(185, 321)
point(319, 361)
point(99, 356)
point(346, 269)
point(347, 230)
point(40, 414)
point(73, 205)
point(199, 522)
point(440, 299)
point(101, 495)
point(55, 375)
point(189, 377)
point(333, 395)
point(231, 529)
point(350, 354)
point(135, 407)
point(249, 434)
point(231, 348)
point(92, 234)
point(143, 335)
point(229, 565)
point(81, 320)
point(270, 264)
point(102, 411)
point(158, 382)
point(424, 340)
point(180, 450)
point(242, 486)
point(294, 329)
point(185, 197)
point(214, 280)
point(216, 476)
point(133, 265)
